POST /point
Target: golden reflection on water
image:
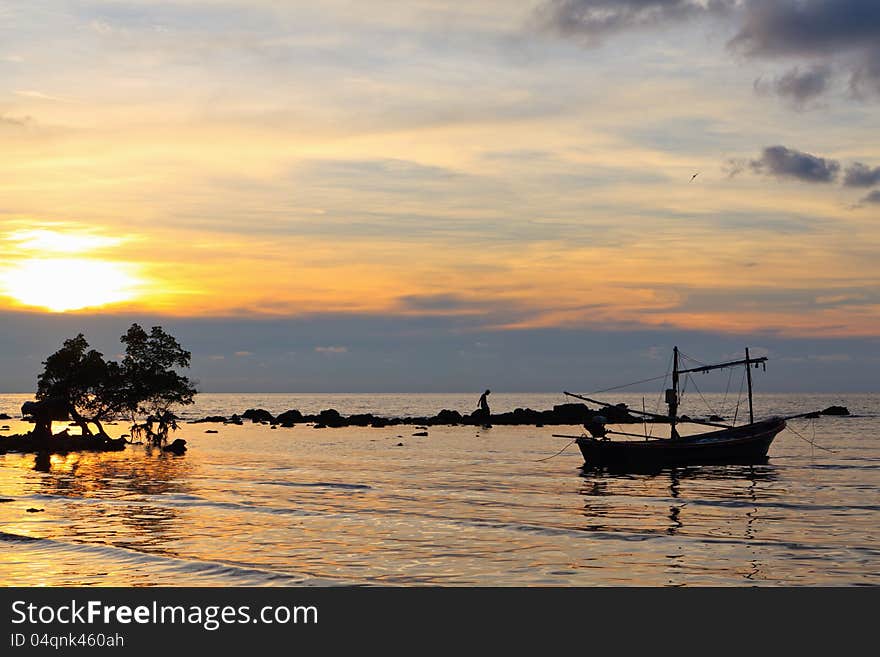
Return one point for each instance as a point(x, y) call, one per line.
point(301, 505)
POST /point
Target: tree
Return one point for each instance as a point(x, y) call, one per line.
point(145, 383)
point(76, 377)
point(153, 387)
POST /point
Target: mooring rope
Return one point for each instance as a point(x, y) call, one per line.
point(807, 440)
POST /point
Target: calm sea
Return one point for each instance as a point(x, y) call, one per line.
point(252, 505)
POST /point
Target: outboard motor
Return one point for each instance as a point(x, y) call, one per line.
point(596, 427)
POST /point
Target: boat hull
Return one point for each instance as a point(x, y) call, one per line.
point(741, 445)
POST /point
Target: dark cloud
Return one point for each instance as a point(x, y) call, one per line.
point(785, 162)
point(808, 27)
point(434, 354)
point(799, 87)
point(848, 30)
point(590, 20)
point(866, 76)
point(436, 302)
point(845, 32)
point(872, 198)
point(861, 175)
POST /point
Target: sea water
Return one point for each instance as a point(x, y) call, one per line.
point(252, 505)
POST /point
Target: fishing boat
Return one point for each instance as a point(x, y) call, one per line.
point(744, 444)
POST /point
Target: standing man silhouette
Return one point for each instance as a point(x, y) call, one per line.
point(484, 405)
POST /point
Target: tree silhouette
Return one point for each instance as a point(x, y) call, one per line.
point(144, 384)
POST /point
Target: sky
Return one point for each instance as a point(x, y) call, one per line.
point(439, 196)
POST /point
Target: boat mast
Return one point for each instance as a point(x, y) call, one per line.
point(672, 395)
point(749, 377)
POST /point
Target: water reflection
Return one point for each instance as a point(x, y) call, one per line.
point(657, 500)
point(105, 498)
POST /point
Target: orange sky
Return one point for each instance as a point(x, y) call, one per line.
point(216, 159)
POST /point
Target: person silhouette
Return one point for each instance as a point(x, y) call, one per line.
point(483, 404)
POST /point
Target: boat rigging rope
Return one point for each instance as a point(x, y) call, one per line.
point(627, 385)
point(807, 440)
point(572, 442)
point(711, 410)
point(742, 384)
point(726, 390)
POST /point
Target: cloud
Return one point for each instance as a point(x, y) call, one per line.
point(820, 31)
point(829, 30)
point(808, 27)
point(785, 162)
point(18, 121)
point(861, 175)
point(590, 20)
point(331, 350)
point(873, 198)
point(799, 87)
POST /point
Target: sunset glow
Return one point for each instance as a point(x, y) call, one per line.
point(63, 284)
point(576, 165)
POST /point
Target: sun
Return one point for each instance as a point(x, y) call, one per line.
point(63, 284)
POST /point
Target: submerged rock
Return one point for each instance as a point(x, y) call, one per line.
point(421, 433)
point(835, 410)
point(210, 418)
point(177, 447)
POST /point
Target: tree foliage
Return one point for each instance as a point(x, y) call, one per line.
point(145, 384)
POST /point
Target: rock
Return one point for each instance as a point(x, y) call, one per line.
point(421, 433)
point(274, 426)
point(235, 419)
point(571, 413)
point(211, 431)
point(33, 510)
point(257, 415)
point(5, 427)
point(6, 499)
point(4, 416)
point(447, 416)
point(360, 420)
point(177, 447)
point(399, 445)
point(320, 425)
point(716, 418)
point(835, 410)
point(289, 417)
point(210, 418)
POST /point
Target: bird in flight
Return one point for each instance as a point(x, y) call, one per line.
point(694, 176)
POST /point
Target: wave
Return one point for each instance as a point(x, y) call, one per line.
point(317, 484)
point(208, 573)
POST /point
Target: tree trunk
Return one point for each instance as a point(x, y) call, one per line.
point(81, 422)
point(101, 431)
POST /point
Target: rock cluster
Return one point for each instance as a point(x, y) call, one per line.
point(559, 414)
